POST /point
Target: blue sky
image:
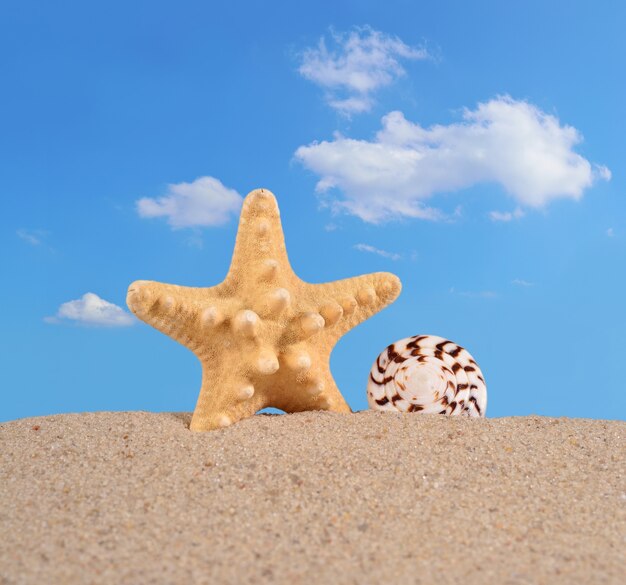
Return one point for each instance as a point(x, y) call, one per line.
point(473, 149)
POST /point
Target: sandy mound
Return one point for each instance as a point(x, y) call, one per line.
point(132, 498)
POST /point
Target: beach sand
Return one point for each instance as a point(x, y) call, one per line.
point(135, 497)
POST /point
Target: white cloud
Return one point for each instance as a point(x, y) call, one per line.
point(92, 310)
point(359, 63)
point(504, 141)
point(506, 215)
point(603, 172)
point(194, 240)
point(204, 202)
point(521, 282)
point(33, 237)
point(352, 105)
point(610, 232)
point(378, 251)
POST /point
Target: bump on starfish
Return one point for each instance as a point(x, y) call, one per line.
point(263, 336)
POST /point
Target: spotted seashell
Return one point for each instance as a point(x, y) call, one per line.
point(427, 374)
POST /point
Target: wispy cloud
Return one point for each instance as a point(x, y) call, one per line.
point(33, 237)
point(203, 202)
point(610, 232)
point(506, 216)
point(521, 282)
point(356, 65)
point(90, 309)
point(480, 294)
point(194, 240)
point(377, 251)
point(504, 141)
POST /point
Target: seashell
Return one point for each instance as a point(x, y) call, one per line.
point(427, 374)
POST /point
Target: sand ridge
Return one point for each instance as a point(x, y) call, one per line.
point(314, 497)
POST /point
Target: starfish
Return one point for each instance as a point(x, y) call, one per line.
point(263, 336)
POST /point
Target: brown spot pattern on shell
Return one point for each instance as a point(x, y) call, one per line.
point(427, 374)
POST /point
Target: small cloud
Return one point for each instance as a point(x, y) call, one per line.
point(92, 310)
point(352, 105)
point(481, 294)
point(512, 143)
point(195, 239)
point(379, 252)
point(610, 232)
point(203, 202)
point(357, 65)
point(602, 172)
point(33, 237)
point(505, 215)
point(521, 282)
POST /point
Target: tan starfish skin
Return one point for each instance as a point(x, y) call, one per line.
point(263, 336)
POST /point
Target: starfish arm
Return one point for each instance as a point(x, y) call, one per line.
point(184, 313)
point(260, 255)
point(226, 395)
point(346, 303)
point(230, 392)
point(330, 399)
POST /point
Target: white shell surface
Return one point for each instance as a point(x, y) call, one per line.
point(427, 374)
